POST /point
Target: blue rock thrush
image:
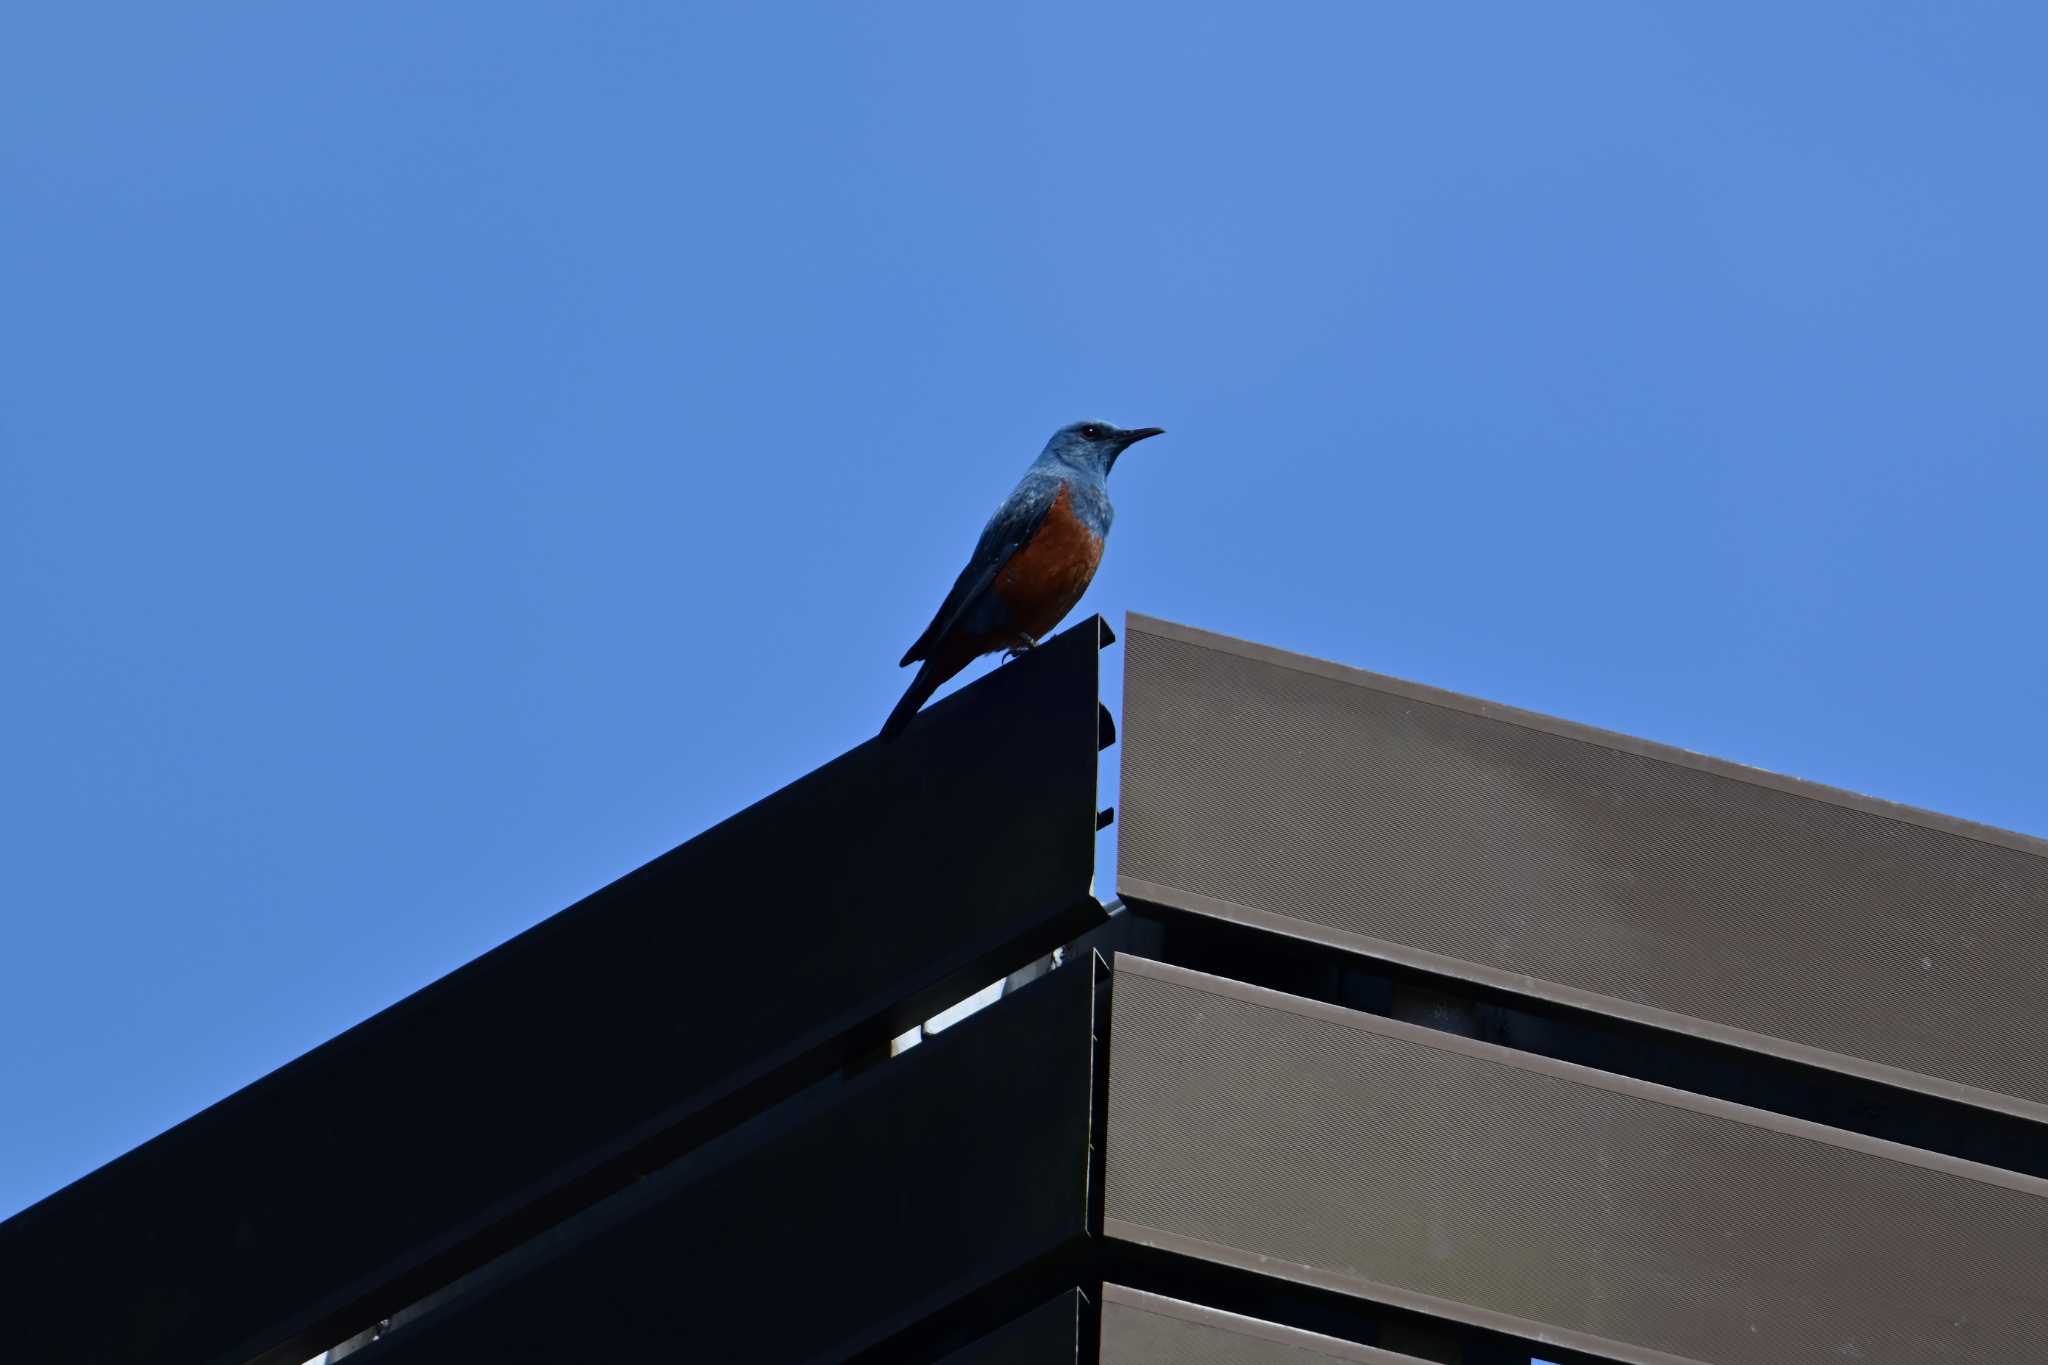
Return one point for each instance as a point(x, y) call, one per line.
point(1035, 558)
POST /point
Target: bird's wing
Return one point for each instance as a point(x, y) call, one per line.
point(1007, 532)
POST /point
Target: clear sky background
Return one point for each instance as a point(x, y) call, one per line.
point(450, 454)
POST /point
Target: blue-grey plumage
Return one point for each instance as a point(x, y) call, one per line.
point(1034, 560)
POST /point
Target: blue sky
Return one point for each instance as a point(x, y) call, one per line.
point(451, 454)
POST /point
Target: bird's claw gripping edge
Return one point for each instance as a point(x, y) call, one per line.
point(1019, 650)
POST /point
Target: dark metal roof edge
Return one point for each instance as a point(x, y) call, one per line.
point(1360, 1288)
point(1336, 1348)
point(1054, 1023)
point(1765, 1119)
point(1136, 623)
point(320, 1274)
point(1805, 1054)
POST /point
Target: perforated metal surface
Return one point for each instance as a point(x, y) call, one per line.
point(1375, 1158)
point(1536, 855)
point(1147, 1329)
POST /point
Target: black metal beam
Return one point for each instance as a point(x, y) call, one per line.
point(591, 1048)
point(1048, 1335)
point(817, 1235)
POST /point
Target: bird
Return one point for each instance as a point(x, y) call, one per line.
point(1035, 558)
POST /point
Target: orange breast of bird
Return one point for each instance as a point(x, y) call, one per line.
point(1047, 576)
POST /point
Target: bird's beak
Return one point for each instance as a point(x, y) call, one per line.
point(1131, 438)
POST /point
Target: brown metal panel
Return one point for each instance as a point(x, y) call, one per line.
point(1415, 1168)
point(1149, 1329)
point(1589, 868)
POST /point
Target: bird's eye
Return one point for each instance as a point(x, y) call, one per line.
point(1092, 432)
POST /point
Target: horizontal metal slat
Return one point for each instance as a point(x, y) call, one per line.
point(1587, 868)
point(1375, 1158)
point(932, 1177)
point(1150, 1329)
point(1048, 1335)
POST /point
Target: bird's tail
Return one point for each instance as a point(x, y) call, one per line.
point(929, 676)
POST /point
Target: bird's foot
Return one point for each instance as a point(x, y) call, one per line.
point(1024, 646)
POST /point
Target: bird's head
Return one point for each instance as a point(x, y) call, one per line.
point(1094, 446)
